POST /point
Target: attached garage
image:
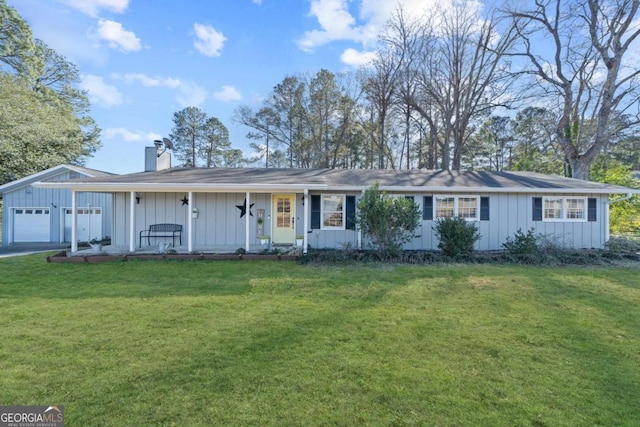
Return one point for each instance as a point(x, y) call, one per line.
point(31, 225)
point(34, 215)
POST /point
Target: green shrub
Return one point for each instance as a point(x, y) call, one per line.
point(388, 221)
point(521, 243)
point(622, 245)
point(457, 236)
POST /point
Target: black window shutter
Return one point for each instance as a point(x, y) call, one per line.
point(350, 212)
point(315, 211)
point(484, 209)
point(592, 210)
point(537, 208)
point(427, 208)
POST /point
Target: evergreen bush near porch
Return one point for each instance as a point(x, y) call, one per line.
point(457, 236)
point(388, 221)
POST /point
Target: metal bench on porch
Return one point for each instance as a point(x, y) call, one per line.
point(162, 230)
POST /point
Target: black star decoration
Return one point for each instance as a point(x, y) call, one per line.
point(243, 208)
point(185, 201)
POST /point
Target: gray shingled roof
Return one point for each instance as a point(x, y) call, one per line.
point(47, 174)
point(259, 179)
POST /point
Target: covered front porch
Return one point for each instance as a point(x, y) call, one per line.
point(208, 222)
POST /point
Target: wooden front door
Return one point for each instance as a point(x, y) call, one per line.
point(284, 206)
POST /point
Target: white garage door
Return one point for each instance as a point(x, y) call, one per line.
point(31, 225)
point(89, 224)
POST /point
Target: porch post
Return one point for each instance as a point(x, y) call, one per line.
point(359, 230)
point(305, 220)
point(247, 223)
point(74, 222)
point(132, 221)
point(190, 223)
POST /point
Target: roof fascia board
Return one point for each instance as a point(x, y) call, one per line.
point(527, 190)
point(52, 171)
point(168, 188)
point(266, 188)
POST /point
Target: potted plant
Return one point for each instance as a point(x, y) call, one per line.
point(96, 244)
point(299, 240)
point(264, 240)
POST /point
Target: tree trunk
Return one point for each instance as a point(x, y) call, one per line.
point(580, 168)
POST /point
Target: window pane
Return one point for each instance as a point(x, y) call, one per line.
point(283, 213)
point(444, 207)
point(468, 207)
point(332, 211)
point(333, 203)
point(576, 209)
point(553, 208)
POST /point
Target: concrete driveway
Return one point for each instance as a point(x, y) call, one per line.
point(30, 248)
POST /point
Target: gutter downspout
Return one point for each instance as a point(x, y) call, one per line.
point(305, 221)
point(621, 199)
point(608, 203)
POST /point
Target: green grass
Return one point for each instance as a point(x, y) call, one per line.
point(279, 344)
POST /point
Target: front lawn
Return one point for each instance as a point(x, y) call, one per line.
point(275, 343)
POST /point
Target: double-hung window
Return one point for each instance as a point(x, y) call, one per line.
point(445, 206)
point(564, 209)
point(333, 211)
point(467, 207)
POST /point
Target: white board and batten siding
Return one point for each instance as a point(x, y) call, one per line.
point(218, 222)
point(53, 200)
point(508, 213)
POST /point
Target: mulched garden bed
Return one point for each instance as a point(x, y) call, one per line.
point(98, 258)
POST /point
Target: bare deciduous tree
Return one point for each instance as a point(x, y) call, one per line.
point(578, 54)
point(457, 70)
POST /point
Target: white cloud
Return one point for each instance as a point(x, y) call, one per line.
point(228, 93)
point(335, 21)
point(378, 12)
point(338, 23)
point(99, 92)
point(93, 7)
point(357, 59)
point(117, 36)
point(209, 41)
point(147, 81)
point(129, 136)
point(191, 95)
point(187, 94)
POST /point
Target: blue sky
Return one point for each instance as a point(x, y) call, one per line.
point(143, 60)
